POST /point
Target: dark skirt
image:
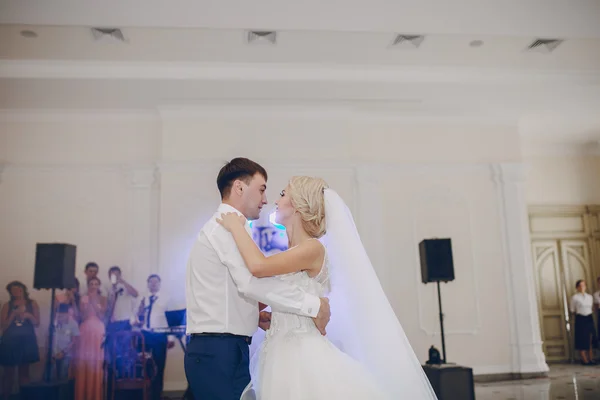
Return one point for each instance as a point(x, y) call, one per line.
point(584, 332)
point(18, 350)
point(598, 321)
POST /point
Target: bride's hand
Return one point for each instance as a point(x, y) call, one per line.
point(230, 220)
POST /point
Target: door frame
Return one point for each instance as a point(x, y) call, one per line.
point(581, 223)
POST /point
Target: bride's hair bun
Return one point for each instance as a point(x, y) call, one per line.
point(307, 196)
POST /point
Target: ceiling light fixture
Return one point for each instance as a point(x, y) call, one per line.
point(544, 45)
point(112, 33)
point(407, 41)
point(29, 34)
point(262, 37)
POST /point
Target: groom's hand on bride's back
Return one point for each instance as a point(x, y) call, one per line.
point(322, 318)
point(264, 320)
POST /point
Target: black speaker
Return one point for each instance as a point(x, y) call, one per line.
point(61, 390)
point(451, 382)
point(54, 266)
point(436, 260)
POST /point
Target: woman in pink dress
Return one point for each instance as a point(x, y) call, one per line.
point(89, 373)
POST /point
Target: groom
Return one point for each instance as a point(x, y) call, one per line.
point(223, 297)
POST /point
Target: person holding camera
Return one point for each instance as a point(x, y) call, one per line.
point(18, 347)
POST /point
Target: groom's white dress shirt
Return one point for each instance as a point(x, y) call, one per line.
point(222, 295)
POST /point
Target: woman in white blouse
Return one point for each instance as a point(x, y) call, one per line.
point(585, 332)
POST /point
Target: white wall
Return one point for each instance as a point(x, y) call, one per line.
point(64, 180)
point(461, 204)
point(90, 180)
point(568, 180)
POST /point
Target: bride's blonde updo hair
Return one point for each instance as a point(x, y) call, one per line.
point(307, 196)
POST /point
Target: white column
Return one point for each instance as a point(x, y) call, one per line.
point(526, 345)
point(369, 216)
point(144, 224)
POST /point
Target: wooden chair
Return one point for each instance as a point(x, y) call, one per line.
point(131, 367)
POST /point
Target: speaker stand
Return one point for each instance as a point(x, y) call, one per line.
point(48, 369)
point(441, 323)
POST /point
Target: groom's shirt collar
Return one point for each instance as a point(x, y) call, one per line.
point(226, 208)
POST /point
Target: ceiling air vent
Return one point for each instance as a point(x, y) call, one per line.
point(407, 41)
point(262, 37)
point(544, 45)
point(108, 33)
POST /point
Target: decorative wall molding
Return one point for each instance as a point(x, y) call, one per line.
point(364, 168)
point(582, 214)
point(509, 173)
point(84, 115)
point(369, 216)
point(556, 210)
point(525, 336)
point(136, 70)
point(445, 195)
point(142, 180)
point(413, 168)
point(142, 177)
point(398, 111)
point(29, 168)
point(144, 215)
point(568, 147)
point(496, 176)
point(368, 174)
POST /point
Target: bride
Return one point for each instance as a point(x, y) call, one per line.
point(372, 358)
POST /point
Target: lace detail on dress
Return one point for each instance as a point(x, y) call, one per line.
point(289, 326)
point(290, 323)
point(323, 277)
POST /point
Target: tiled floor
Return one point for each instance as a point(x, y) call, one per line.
point(565, 382)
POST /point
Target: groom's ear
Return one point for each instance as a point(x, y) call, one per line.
point(237, 186)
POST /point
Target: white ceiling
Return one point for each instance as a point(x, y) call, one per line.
point(294, 47)
point(493, 17)
point(185, 52)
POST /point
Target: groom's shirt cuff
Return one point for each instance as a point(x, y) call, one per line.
point(311, 305)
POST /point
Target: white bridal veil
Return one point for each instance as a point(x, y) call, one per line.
point(363, 322)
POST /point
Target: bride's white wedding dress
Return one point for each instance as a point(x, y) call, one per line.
point(376, 360)
point(296, 362)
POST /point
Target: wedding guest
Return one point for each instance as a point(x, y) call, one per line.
point(585, 332)
point(18, 348)
point(91, 271)
point(596, 296)
point(66, 335)
point(152, 309)
point(72, 298)
point(120, 312)
point(121, 301)
point(90, 355)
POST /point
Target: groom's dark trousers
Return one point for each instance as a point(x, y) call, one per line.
point(217, 365)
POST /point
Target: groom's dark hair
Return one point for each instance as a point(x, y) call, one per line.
point(237, 169)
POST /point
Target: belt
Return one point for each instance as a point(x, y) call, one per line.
point(246, 339)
